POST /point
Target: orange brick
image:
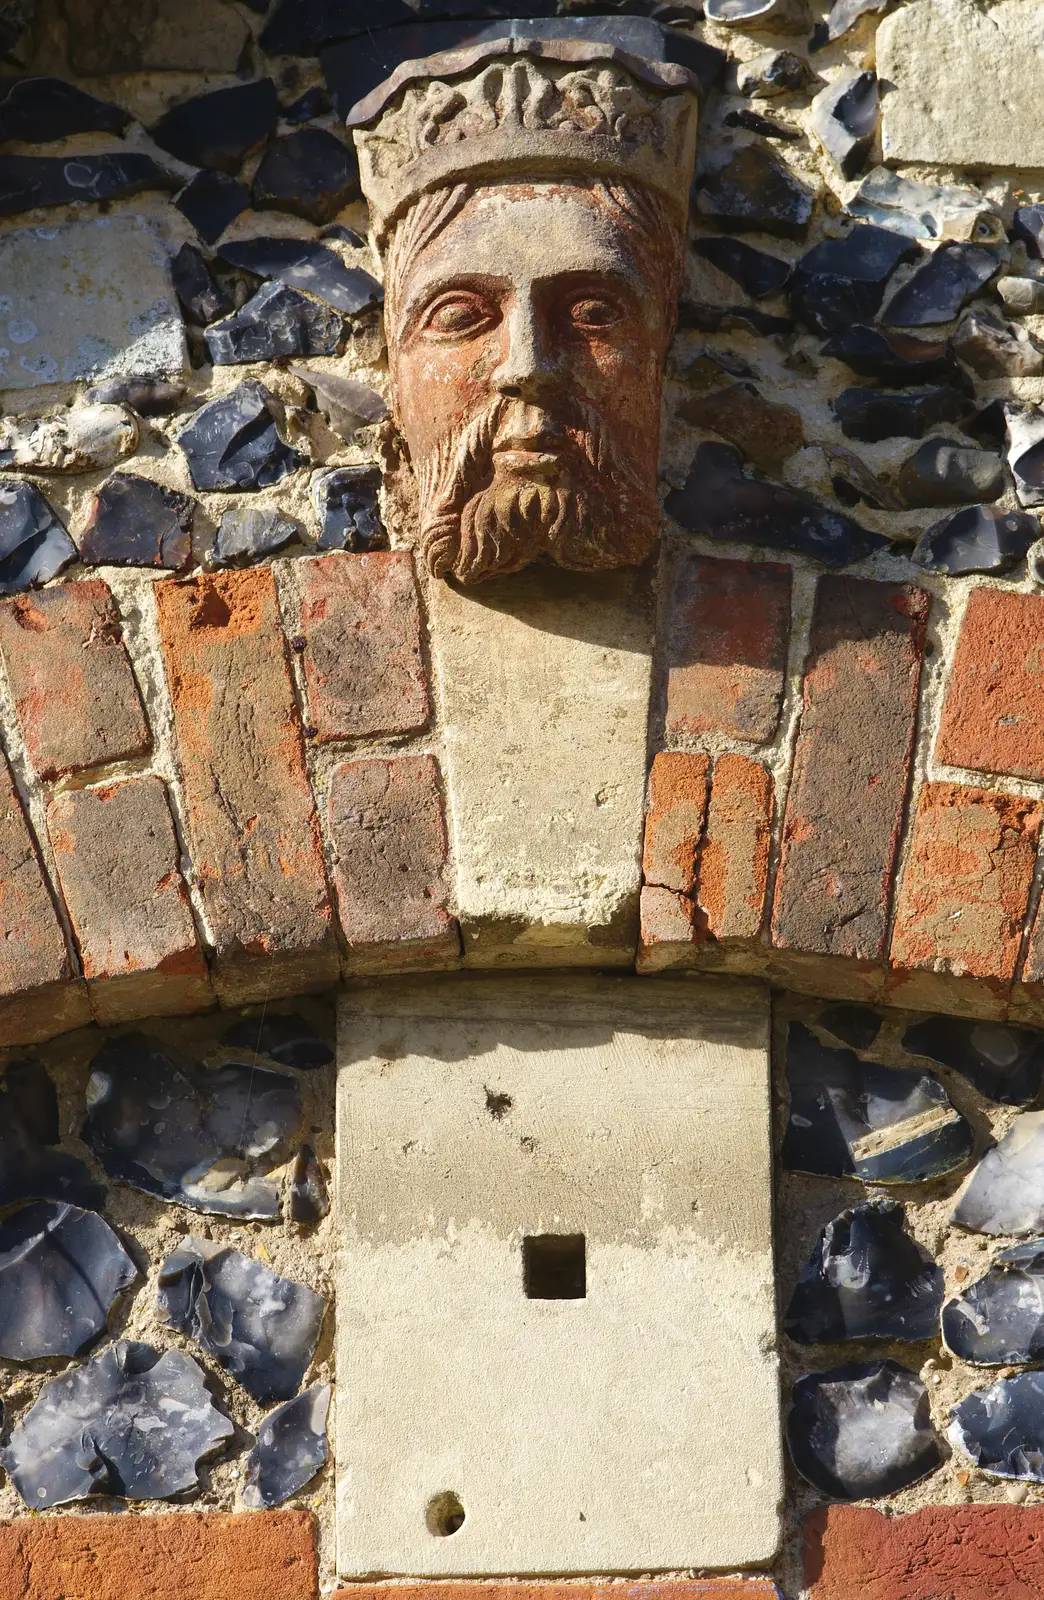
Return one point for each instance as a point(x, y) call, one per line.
point(667, 936)
point(33, 954)
point(993, 716)
point(734, 856)
point(251, 822)
point(979, 1552)
point(967, 881)
point(71, 678)
point(727, 646)
point(361, 631)
point(265, 1555)
point(674, 820)
point(117, 858)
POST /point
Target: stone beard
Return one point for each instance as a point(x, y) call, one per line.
point(528, 325)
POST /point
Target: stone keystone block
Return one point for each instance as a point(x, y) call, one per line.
point(674, 821)
point(360, 623)
point(117, 858)
point(389, 839)
point(556, 1266)
point(727, 636)
point(544, 680)
point(993, 717)
point(267, 1555)
point(966, 886)
point(252, 827)
point(980, 1552)
point(851, 768)
point(71, 678)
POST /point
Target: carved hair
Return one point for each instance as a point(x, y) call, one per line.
point(658, 240)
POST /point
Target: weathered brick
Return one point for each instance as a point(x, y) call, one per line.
point(674, 820)
point(727, 646)
point(734, 855)
point(993, 715)
point(35, 970)
point(664, 1589)
point(71, 678)
point(667, 937)
point(389, 838)
point(966, 884)
point(116, 854)
point(251, 819)
point(266, 1555)
point(360, 622)
point(851, 768)
point(975, 1552)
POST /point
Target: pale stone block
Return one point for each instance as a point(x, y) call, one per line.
point(544, 681)
point(633, 1429)
point(966, 83)
point(87, 300)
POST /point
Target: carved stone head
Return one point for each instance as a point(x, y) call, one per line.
point(529, 198)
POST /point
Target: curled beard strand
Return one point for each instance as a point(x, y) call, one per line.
point(476, 527)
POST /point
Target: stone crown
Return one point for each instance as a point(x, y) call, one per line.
point(539, 108)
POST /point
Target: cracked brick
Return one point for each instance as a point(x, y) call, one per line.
point(973, 1552)
point(674, 820)
point(966, 886)
point(734, 854)
point(851, 768)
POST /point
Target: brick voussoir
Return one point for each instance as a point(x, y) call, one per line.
point(967, 1552)
point(678, 786)
point(852, 761)
point(250, 814)
point(75, 694)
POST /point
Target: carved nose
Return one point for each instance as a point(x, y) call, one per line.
point(528, 369)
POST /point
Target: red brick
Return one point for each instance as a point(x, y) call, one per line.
point(734, 856)
point(967, 882)
point(116, 854)
point(976, 1552)
point(71, 678)
point(360, 621)
point(35, 968)
point(674, 820)
point(251, 821)
point(727, 646)
point(754, 1588)
point(993, 716)
point(389, 839)
point(266, 1555)
point(851, 768)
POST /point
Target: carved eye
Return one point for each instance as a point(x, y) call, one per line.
point(592, 313)
point(457, 316)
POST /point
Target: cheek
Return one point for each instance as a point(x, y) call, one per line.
point(438, 386)
point(623, 381)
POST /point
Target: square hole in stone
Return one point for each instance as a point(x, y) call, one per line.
point(554, 1266)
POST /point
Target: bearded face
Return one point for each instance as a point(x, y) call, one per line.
point(528, 330)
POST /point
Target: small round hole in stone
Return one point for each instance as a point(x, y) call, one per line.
point(444, 1514)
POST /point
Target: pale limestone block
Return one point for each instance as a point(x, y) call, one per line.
point(966, 83)
point(634, 1429)
point(87, 300)
point(544, 680)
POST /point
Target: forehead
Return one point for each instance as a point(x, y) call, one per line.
point(529, 232)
